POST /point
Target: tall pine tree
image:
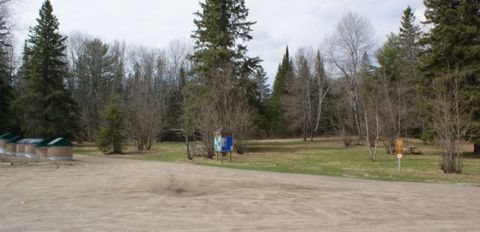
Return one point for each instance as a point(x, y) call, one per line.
point(46, 107)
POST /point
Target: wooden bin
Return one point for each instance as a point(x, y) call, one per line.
point(20, 150)
point(60, 149)
point(3, 146)
point(41, 152)
point(21, 147)
point(12, 146)
point(3, 143)
point(11, 149)
point(60, 153)
point(31, 148)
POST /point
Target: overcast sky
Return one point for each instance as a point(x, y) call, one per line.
point(297, 23)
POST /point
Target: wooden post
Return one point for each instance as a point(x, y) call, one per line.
point(230, 156)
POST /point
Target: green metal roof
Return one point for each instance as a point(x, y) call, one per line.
point(60, 142)
point(24, 141)
point(6, 136)
point(44, 143)
point(14, 139)
point(35, 141)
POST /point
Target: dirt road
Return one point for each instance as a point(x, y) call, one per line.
point(101, 194)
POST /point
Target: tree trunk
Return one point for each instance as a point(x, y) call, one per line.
point(476, 149)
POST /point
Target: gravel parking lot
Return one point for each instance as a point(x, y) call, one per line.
point(105, 194)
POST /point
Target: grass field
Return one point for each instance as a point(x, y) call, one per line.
point(322, 157)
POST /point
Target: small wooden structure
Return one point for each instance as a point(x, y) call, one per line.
point(21, 147)
point(41, 149)
point(3, 143)
point(12, 145)
point(30, 148)
point(223, 142)
point(60, 149)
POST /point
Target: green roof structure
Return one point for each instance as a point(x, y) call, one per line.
point(14, 139)
point(60, 142)
point(43, 143)
point(24, 141)
point(6, 136)
point(36, 141)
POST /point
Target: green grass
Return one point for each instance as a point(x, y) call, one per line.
point(323, 157)
point(166, 152)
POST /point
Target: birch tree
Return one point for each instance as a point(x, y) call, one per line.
point(352, 39)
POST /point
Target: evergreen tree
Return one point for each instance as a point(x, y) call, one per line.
point(222, 30)
point(284, 69)
point(47, 108)
point(284, 77)
point(260, 78)
point(409, 48)
point(451, 66)
point(6, 90)
point(94, 71)
point(262, 97)
point(111, 135)
point(222, 86)
point(409, 42)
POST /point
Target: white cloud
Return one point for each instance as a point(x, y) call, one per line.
point(280, 23)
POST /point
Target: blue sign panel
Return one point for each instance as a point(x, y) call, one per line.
point(227, 144)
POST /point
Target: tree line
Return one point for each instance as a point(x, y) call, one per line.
point(418, 84)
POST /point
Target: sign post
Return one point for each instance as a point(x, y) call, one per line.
point(399, 150)
point(223, 142)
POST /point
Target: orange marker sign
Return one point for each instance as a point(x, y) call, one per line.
point(399, 151)
point(399, 148)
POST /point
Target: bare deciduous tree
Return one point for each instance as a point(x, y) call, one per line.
point(352, 39)
point(344, 125)
point(322, 89)
point(146, 103)
point(371, 108)
point(220, 105)
point(449, 125)
point(304, 84)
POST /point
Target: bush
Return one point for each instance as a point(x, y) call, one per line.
point(110, 136)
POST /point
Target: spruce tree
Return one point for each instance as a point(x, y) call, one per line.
point(220, 37)
point(262, 95)
point(284, 69)
point(262, 88)
point(6, 90)
point(222, 82)
point(409, 49)
point(284, 77)
point(47, 108)
point(451, 63)
point(409, 36)
point(111, 135)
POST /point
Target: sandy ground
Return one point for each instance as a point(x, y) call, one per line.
point(101, 194)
